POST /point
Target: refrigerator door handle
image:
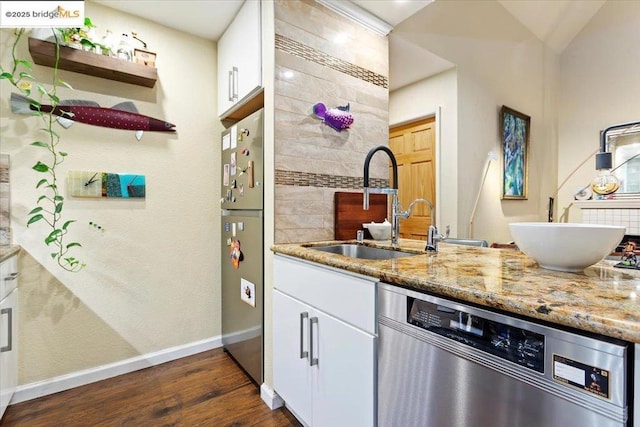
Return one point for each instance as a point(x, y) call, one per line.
point(312, 360)
point(303, 353)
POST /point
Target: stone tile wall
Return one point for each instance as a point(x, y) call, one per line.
point(323, 57)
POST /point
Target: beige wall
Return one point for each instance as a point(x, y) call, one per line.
point(599, 88)
point(498, 62)
point(151, 280)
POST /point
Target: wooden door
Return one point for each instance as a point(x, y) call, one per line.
point(413, 145)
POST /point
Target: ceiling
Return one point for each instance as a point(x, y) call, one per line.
point(554, 22)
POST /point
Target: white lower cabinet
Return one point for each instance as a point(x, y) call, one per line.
point(324, 365)
point(8, 331)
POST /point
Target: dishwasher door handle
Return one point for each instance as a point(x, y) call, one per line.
point(312, 360)
point(303, 353)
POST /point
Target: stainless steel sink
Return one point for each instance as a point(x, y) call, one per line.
point(362, 252)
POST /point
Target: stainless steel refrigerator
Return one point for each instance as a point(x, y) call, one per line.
point(242, 244)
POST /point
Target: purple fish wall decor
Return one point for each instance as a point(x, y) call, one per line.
point(338, 118)
point(121, 116)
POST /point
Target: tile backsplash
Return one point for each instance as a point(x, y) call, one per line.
point(629, 218)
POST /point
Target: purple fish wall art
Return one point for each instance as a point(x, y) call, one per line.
point(121, 116)
point(338, 118)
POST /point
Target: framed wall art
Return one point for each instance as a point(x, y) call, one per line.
point(105, 184)
point(514, 135)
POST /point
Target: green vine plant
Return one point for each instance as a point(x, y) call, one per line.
point(50, 203)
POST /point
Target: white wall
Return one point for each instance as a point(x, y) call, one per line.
point(498, 62)
point(600, 87)
point(152, 278)
point(437, 96)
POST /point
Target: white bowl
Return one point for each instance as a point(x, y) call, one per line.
point(566, 246)
point(379, 231)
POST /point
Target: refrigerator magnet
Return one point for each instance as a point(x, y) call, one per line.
point(235, 254)
point(226, 141)
point(225, 175)
point(234, 136)
point(233, 163)
point(248, 292)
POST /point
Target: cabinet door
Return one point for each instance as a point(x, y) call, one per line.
point(248, 76)
point(225, 58)
point(291, 373)
point(8, 348)
point(344, 378)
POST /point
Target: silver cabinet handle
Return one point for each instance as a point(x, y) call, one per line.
point(303, 353)
point(235, 83)
point(230, 87)
point(8, 311)
point(312, 360)
point(12, 276)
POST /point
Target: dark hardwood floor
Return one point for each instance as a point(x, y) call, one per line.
point(207, 389)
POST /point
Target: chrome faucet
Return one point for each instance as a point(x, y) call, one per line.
point(433, 237)
point(395, 204)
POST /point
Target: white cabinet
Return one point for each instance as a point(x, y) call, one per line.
point(8, 331)
point(324, 342)
point(240, 58)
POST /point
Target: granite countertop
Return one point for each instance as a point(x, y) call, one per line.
point(601, 299)
point(8, 251)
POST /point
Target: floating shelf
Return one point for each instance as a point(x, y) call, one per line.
point(93, 64)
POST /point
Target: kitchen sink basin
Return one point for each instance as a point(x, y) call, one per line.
point(362, 252)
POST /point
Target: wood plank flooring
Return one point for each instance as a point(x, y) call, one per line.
point(207, 389)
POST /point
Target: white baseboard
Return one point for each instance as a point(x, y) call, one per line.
point(270, 397)
point(88, 376)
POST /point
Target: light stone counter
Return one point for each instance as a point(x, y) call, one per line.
point(601, 299)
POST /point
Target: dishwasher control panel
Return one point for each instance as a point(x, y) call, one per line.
point(514, 344)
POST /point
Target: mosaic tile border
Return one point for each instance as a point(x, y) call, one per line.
point(306, 179)
point(303, 51)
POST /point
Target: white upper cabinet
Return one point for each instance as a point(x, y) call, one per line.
point(240, 59)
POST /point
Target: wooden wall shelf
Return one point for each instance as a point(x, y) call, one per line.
point(80, 61)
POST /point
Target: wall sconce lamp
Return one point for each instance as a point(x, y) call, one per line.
point(606, 182)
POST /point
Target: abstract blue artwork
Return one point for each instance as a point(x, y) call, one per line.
point(514, 133)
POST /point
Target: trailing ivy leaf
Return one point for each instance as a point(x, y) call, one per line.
point(65, 84)
point(25, 64)
point(42, 181)
point(40, 144)
point(54, 255)
point(59, 207)
point(71, 245)
point(53, 236)
point(7, 75)
point(58, 198)
point(67, 224)
point(40, 199)
point(34, 218)
point(25, 75)
point(63, 153)
point(41, 89)
point(54, 98)
point(40, 167)
point(35, 210)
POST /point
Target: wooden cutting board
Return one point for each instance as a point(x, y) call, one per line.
point(349, 215)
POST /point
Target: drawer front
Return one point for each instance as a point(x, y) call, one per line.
point(348, 297)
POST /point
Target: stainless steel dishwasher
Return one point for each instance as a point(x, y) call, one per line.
point(442, 363)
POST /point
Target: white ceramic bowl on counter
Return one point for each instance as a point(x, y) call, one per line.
point(566, 246)
point(379, 231)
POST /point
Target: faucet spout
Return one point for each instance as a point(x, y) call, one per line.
point(393, 191)
point(367, 161)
